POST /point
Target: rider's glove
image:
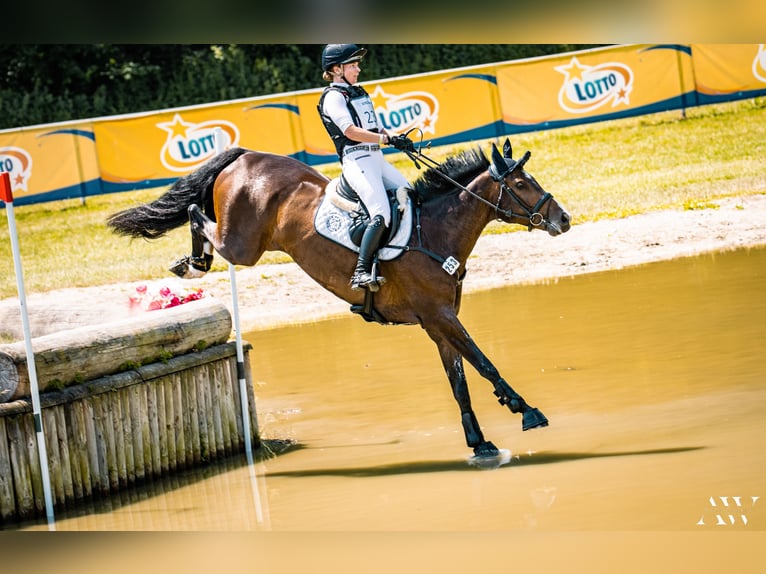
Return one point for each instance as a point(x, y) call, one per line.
point(402, 143)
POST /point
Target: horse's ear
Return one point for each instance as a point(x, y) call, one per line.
point(507, 152)
point(498, 160)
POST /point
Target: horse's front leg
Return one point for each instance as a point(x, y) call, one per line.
point(448, 329)
point(474, 438)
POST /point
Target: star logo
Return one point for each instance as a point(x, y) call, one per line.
point(588, 88)
point(403, 112)
point(18, 163)
point(189, 145)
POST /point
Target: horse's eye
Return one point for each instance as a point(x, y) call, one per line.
point(520, 184)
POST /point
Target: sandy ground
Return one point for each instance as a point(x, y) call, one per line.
point(271, 295)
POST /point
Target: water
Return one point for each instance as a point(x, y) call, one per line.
point(652, 378)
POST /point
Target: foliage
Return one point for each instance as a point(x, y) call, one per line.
point(44, 83)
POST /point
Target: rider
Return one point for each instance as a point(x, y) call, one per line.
point(350, 119)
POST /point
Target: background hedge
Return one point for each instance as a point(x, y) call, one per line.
point(43, 83)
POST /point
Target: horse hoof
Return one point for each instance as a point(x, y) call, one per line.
point(487, 460)
point(486, 449)
point(180, 267)
point(532, 419)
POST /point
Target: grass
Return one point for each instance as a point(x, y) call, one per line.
point(602, 170)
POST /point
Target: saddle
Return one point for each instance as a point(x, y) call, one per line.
point(342, 218)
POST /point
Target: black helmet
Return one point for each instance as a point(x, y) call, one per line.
point(334, 54)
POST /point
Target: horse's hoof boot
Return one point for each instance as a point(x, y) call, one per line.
point(533, 418)
point(486, 449)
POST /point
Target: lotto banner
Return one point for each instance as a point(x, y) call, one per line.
point(155, 149)
point(729, 71)
point(50, 163)
point(594, 85)
point(445, 107)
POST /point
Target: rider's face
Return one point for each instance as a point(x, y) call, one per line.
point(351, 72)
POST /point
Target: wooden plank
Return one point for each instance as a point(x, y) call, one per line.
point(76, 449)
point(146, 433)
point(89, 415)
point(33, 459)
point(207, 390)
point(179, 421)
point(102, 446)
point(216, 390)
point(22, 480)
point(162, 428)
point(134, 401)
point(199, 387)
point(192, 407)
point(86, 470)
point(168, 386)
point(154, 444)
point(7, 495)
point(59, 417)
point(226, 406)
point(127, 436)
point(115, 402)
point(50, 431)
point(240, 436)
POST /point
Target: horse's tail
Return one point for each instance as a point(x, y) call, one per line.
point(154, 219)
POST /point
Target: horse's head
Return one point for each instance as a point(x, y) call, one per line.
point(520, 198)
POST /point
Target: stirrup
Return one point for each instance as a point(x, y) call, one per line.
point(366, 280)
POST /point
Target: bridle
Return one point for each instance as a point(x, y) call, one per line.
point(532, 214)
point(534, 218)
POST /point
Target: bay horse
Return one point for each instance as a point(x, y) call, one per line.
point(242, 203)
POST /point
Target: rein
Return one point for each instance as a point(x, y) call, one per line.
point(532, 214)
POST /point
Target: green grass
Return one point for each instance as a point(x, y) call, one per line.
point(602, 170)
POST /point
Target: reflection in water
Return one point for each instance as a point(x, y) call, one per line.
point(652, 378)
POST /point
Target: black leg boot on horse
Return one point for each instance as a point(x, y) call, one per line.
point(371, 239)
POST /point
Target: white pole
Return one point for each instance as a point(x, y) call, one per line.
point(6, 194)
point(219, 148)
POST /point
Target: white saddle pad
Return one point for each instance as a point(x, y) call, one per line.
point(334, 223)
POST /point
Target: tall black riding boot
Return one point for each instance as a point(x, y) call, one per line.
point(370, 242)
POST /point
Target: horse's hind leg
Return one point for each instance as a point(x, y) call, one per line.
point(474, 438)
point(201, 258)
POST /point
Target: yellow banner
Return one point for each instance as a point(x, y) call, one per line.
point(153, 149)
point(722, 70)
point(593, 85)
point(50, 162)
point(157, 148)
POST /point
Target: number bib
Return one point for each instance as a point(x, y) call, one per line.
point(365, 112)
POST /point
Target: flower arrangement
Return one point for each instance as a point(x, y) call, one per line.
point(163, 298)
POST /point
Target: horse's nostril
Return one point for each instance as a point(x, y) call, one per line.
point(565, 217)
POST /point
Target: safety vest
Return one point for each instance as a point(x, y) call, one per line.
point(350, 93)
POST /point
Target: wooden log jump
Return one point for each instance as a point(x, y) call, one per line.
point(85, 353)
point(144, 420)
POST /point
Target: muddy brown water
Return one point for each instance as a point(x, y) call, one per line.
point(653, 378)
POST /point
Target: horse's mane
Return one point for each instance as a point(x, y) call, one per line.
point(462, 167)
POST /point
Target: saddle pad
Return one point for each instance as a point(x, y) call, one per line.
point(334, 224)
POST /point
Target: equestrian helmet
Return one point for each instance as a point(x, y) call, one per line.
point(334, 54)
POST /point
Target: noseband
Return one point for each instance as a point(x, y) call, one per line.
point(533, 216)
